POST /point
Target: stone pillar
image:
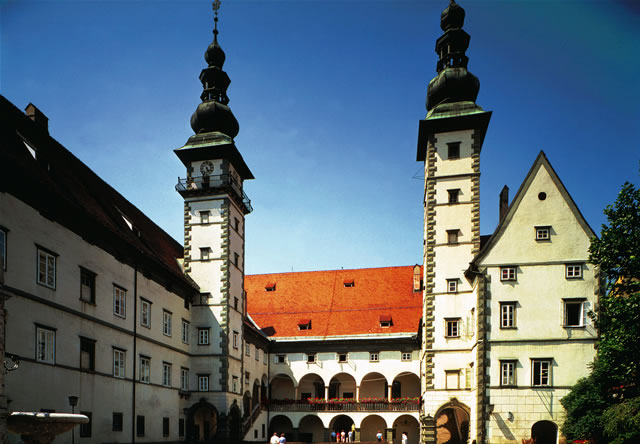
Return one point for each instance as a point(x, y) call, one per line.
point(357, 393)
point(389, 392)
point(294, 435)
point(357, 434)
point(327, 435)
point(296, 393)
point(389, 432)
point(326, 392)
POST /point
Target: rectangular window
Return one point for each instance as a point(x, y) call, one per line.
point(452, 236)
point(46, 345)
point(452, 328)
point(257, 354)
point(205, 253)
point(119, 301)
point(116, 422)
point(452, 285)
point(311, 358)
point(453, 196)
point(236, 259)
point(166, 323)
point(87, 353)
point(265, 357)
point(406, 356)
point(541, 372)
point(145, 369)
point(165, 427)
point(180, 427)
point(575, 312)
point(573, 271)
point(203, 383)
point(543, 233)
point(139, 426)
point(280, 359)
point(247, 349)
point(235, 339)
point(507, 273)
point(452, 379)
point(203, 336)
point(46, 268)
point(234, 384)
point(343, 357)
point(87, 286)
point(507, 373)
point(166, 374)
point(204, 217)
point(235, 303)
point(185, 331)
point(507, 314)
point(118, 363)
point(184, 379)
point(453, 150)
point(204, 298)
point(374, 357)
point(3, 248)
point(247, 377)
point(236, 223)
point(145, 313)
point(85, 429)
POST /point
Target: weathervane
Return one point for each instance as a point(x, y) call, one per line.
point(216, 6)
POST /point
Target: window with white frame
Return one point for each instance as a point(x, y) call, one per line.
point(343, 357)
point(119, 301)
point(203, 383)
point(541, 372)
point(374, 356)
point(247, 349)
point(87, 285)
point(452, 379)
point(46, 345)
point(166, 323)
point(257, 354)
point(507, 273)
point(575, 312)
point(507, 314)
point(46, 268)
point(573, 271)
point(543, 233)
point(508, 373)
point(452, 327)
point(145, 369)
point(145, 313)
point(452, 285)
point(406, 356)
point(234, 384)
point(118, 362)
point(247, 377)
point(235, 339)
point(184, 379)
point(203, 336)
point(311, 358)
point(3, 248)
point(166, 374)
point(185, 331)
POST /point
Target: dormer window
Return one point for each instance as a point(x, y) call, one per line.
point(386, 321)
point(543, 233)
point(349, 283)
point(304, 324)
point(271, 286)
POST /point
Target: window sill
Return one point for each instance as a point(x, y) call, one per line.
point(508, 328)
point(574, 326)
point(88, 302)
point(120, 316)
point(46, 286)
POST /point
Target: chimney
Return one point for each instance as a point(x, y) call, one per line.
point(504, 202)
point(37, 116)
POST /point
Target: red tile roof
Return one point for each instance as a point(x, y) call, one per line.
point(334, 309)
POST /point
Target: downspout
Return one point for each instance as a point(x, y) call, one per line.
point(135, 337)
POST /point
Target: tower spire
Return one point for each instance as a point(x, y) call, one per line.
point(213, 114)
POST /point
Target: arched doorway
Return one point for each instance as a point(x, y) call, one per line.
point(408, 424)
point(311, 429)
point(342, 385)
point(246, 404)
point(406, 385)
point(373, 385)
point(282, 387)
point(281, 424)
point(235, 424)
point(311, 386)
point(202, 422)
point(255, 394)
point(340, 423)
point(452, 423)
point(370, 427)
point(545, 432)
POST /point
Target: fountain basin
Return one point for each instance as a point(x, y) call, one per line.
point(37, 427)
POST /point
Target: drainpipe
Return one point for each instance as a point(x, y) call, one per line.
point(135, 337)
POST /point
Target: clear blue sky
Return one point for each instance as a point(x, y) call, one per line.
point(328, 95)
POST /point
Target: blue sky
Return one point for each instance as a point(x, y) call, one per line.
point(328, 95)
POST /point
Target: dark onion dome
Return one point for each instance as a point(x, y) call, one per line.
point(454, 83)
point(213, 116)
point(214, 55)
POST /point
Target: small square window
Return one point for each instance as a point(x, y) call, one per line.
point(311, 358)
point(348, 283)
point(46, 268)
point(452, 236)
point(304, 324)
point(573, 271)
point(280, 359)
point(452, 379)
point(452, 328)
point(271, 286)
point(203, 383)
point(203, 336)
point(204, 298)
point(541, 372)
point(343, 357)
point(507, 273)
point(205, 254)
point(543, 233)
point(453, 150)
point(453, 196)
point(374, 357)
point(575, 312)
point(452, 285)
point(508, 373)
point(507, 314)
point(406, 356)
point(386, 321)
point(116, 422)
point(87, 286)
point(204, 217)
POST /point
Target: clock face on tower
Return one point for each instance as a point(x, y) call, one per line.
point(206, 168)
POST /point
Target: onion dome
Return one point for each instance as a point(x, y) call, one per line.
point(213, 114)
point(454, 83)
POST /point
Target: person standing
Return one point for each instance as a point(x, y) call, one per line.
point(379, 436)
point(333, 436)
point(405, 438)
point(274, 439)
point(350, 436)
point(282, 439)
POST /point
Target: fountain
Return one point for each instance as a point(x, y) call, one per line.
point(42, 428)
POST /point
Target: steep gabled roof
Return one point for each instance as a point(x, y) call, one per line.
point(540, 162)
point(333, 307)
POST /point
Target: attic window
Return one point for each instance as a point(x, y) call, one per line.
point(304, 324)
point(31, 149)
point(385, 321)
point(349, 283)
point(271, 286)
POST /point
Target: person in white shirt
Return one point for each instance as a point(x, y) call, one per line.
point(405, 438)
point(274, 439)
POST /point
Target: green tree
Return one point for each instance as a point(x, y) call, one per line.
point(605, 406)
